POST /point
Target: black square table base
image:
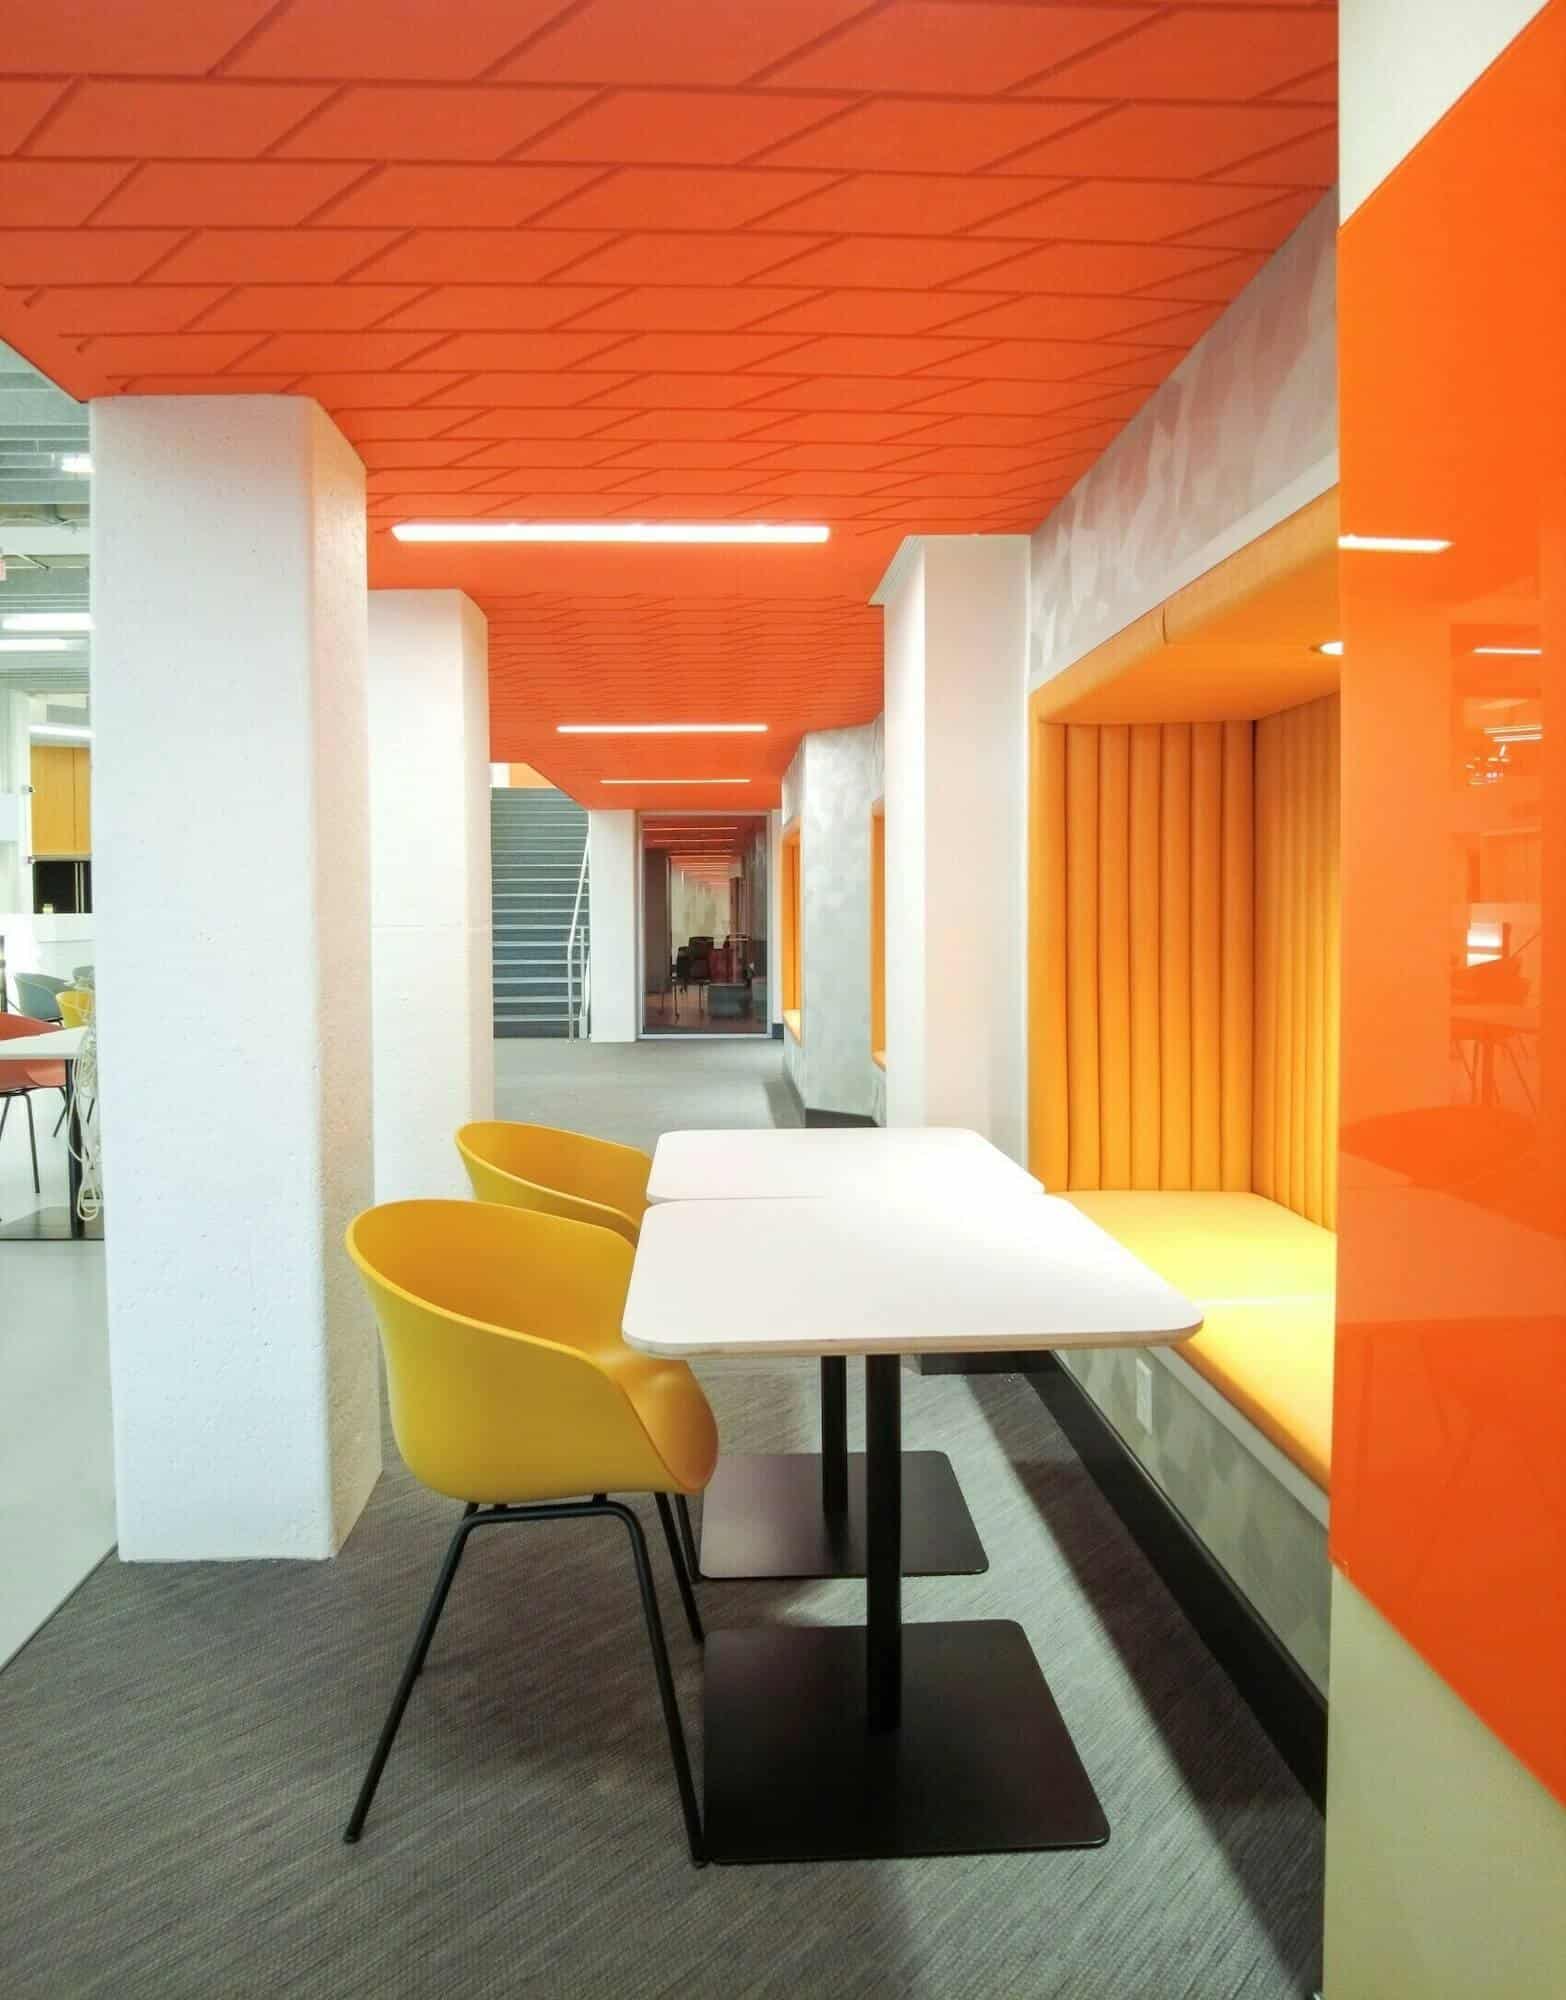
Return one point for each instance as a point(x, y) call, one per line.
point(763, 1516)
point(49, 1225)
point(981, 1762)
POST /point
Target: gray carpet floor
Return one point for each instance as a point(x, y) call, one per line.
point(182, 1743)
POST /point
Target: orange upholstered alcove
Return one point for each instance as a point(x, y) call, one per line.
point(1184, 962)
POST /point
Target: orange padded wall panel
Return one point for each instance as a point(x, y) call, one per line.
point(1141, 1005)
point(1297, 960)
point(1449, 1477)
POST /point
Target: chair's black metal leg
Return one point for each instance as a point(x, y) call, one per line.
point(5, 1112)
point(682, 1508)
point(65, 1109)
point(671, 1707)
point(677, 1558)
point(467, 1514)
point(32, 1140)
point(410, 1674)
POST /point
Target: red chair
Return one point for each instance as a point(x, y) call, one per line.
point(20, 1079)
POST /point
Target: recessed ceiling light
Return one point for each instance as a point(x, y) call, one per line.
point(660, 729)
point(1333, 648)
point(610, 531)
point(47, 621)
point(1394, 545)
point(1511, 652)
point(674, 781)
point(36, 646)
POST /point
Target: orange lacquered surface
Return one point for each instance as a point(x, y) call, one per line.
point(1449, 1456)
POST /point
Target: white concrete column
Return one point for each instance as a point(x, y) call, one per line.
point(431, 913)
point(956, 641)
point(231, 864)
point(616, 965)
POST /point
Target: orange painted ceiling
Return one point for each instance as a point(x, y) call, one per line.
point(900, 267)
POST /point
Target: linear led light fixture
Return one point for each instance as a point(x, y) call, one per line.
point(660, 729)
point(1517, 732)
point(1394, 545)
point(47, 621)
point(78, 462)
point(610, 531)
point(674, 781)
point(36, 646)
point(1333, 648)
point(1511, 652)
point(60, 730)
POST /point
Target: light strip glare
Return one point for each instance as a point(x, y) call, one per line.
point(1333, 648)
point(660, 729)
point(36, 646)
point(1517, 732)
point(1511, 652)
point(61, 730)
point(1394, 545)
point(47, 621)
point(610, 531)
point(674, 781)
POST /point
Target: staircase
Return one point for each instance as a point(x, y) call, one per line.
point(536, 838)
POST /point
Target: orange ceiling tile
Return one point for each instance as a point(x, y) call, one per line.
point(48, 194)
point(304, 308)
point(1230, 55)
point(974, 47)
point(75, 256)
point(1120, 211)
point(198, 121)
point(409, 122)
point(952, 136)
point(77, 35)
point(678, 127)
point(671, 258)
point(286, 256)
point(907, 204)
point(678, 41)
point(1138, 141)
point(399, 38)
point(256, 191)
point(405, 197)
point(895, 265)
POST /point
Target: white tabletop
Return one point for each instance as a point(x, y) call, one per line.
point(59, 1045)
point(937, 1162)
point(804, 1276)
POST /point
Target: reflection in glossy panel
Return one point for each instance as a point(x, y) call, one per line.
point(1449, 1500)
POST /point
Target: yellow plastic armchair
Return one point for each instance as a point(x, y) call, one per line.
point(75, 1005)
point(561, 1173)
point(511, 1389)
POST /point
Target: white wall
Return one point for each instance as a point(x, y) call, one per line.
point(956, 664)
point(1241, 435)
point(1446, 1860)
point(830, 786)
point(1435, 49)
point(612, 844)
point(430, 885)
point(233, 930)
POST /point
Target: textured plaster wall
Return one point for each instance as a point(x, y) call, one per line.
point(836, 776)
point(1242, 434)
point(234, 923)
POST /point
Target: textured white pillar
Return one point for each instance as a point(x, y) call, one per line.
point(434, 1032)
point(231, 864)
point(956, 649)
point(611, 842)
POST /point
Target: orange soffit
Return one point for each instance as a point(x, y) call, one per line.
point(905, 268)
point(1449, 1483)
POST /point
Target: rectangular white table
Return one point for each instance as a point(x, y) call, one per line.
point(799, 1514)
point(61, 1045)
point(843, 1742)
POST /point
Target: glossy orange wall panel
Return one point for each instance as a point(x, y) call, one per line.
point(1449, 1467)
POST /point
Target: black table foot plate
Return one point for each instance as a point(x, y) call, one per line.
point(48, 1225)
point(981, 1762)
point(763, 1517)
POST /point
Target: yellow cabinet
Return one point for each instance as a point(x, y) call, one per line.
point(62, 799)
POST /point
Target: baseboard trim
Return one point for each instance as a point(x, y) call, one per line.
point(777, 1031)
point(1279, 1694)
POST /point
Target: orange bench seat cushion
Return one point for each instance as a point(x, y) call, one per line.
point(1265, 1280)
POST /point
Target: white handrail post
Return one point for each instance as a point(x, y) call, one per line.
point(575, 1027)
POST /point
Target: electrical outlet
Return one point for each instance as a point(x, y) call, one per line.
point(1144, 1394)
